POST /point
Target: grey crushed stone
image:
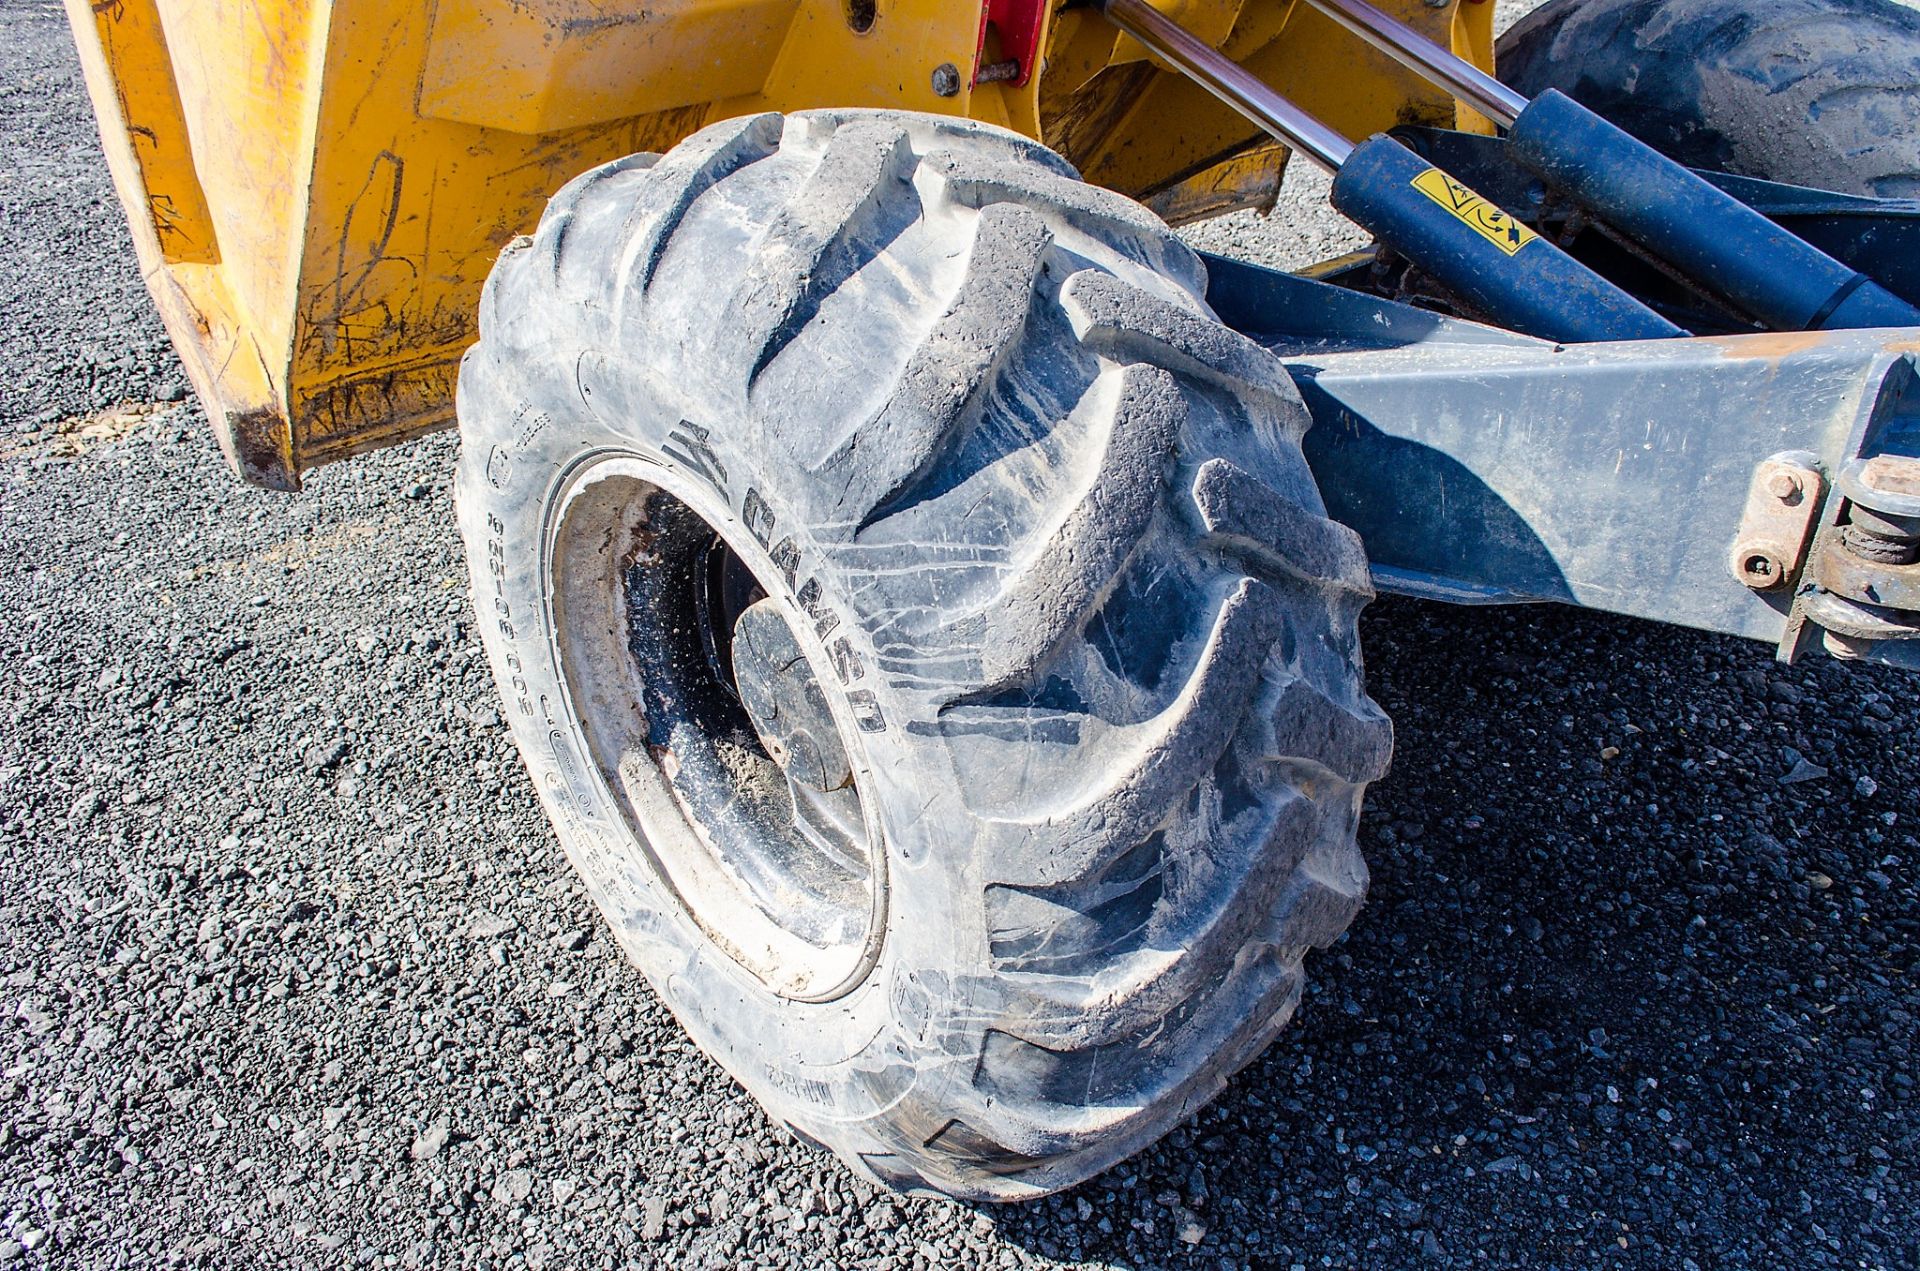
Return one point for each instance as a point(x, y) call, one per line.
point(281, 925)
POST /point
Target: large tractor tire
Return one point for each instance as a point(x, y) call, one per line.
point(924, 633)
point(1823, 93)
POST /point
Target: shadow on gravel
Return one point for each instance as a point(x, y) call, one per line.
point(1634, 982)
point(295, 976)
point(295, 971)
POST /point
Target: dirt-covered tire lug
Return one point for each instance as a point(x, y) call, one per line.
point(921, 625)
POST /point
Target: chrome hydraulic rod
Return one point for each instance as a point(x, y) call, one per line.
point(1719, 243)
point(1493, 265)
point(1724, 246)
point(1228, 81)
point(1421, 55)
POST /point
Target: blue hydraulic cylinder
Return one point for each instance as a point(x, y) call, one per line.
point(1504, 271)
point(1716, 241)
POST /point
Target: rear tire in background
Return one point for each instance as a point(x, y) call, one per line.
point(924, 633)
point(1823, 93)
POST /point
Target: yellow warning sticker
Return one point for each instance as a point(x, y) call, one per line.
point(1481, 216)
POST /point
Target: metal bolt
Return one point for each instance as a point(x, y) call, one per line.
point(1891, 474)
point(1784, 486)
point(946, 80)
point(1761, 570)
point(1880, 549)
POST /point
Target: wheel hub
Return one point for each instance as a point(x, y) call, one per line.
point(784, 700)
point(706, 708)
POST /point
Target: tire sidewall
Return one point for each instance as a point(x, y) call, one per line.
point(1102, 872)
point(1818, 93)
point(864, 1054)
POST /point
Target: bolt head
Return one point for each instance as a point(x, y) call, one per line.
point(1784, 486)
point(1892, 474)
point(946, 80)
point(1759, 569)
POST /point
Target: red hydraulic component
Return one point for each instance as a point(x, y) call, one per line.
point(1017, 23)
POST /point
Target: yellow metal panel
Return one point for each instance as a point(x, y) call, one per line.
point(127, 37)
point(827, 62)
point(123, 53)
point(245, 74)
point(1139, 128)
point(409, 212)
point(1473, 39)
point(318, 188)
point(1250, 179)
point(405, 219)
point(547, 65)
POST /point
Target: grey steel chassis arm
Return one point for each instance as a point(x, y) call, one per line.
point(1720, 483)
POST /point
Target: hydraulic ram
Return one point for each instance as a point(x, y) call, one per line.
point(1494, 265)
point(1719, 243)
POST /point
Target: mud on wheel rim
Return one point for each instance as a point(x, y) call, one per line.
point(696, 675)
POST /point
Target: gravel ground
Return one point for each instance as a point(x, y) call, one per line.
point(294, 974)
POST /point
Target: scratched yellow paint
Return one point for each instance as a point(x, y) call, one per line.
point(318, 188)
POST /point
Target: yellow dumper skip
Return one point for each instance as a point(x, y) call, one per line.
point(318, 189)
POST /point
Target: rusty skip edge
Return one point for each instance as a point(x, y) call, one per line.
point(250, 428)
point(381, 408)
point(270, 447)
